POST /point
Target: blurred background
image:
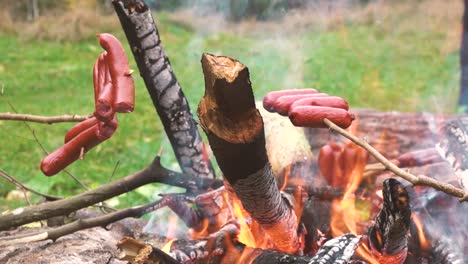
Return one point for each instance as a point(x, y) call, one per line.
point(382, 55)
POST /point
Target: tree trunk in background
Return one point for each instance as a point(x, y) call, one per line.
point(163, 87)
point(463, 99)
point(32, 10)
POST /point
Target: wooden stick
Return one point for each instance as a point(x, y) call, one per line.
point(43, 119)
point(154, 173)
point(81, 224)
point(421, 180)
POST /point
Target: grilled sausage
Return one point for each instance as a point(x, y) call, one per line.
point(124, 88)
point(271, 97)
point(312, 116)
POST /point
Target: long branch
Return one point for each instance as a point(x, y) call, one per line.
point(162, 85)
point(421, 180)
point(81, 224)
point(42, 119)
point(154, 173)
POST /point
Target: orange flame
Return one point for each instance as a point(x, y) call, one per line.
point(167, 247)
point(424, 243)
point(245, 235)
point(345, 216)
point(200, 232)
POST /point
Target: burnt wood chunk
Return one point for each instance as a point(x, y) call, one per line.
point(388, 237)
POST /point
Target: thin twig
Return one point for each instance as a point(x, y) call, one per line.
point(421, 180)
point(82, 224)
point(24, 187)
point(114, 170)
point(42, 119)
point(153, 173)
point(44, 149)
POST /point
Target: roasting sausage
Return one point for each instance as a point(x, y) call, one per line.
point(330, 101)
point(107, 129)
point(70, 151)
point(80, 127)
point(271, 97)
point(312, 116)
point(124, 88)
point(104, 110)
point(325, 162)
point(283, 104)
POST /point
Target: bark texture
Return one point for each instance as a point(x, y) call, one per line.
point(95, 245)
point(161, 83)
point(154, 173)
point(235, 131)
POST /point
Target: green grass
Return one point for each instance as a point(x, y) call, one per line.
point(368, 65)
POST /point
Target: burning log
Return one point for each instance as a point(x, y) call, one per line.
point(388, 236)
point(235, 131)
point(337, 250)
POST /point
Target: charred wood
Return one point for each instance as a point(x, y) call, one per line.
point(163, 87)
point(235, 131)
point(388, 236)
point(339, 250)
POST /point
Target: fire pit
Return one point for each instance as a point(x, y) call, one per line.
point(298, 193)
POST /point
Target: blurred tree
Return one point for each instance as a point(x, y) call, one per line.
point(463, 99)
point(32, 10)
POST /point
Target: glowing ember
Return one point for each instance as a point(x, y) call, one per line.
point(423, 242)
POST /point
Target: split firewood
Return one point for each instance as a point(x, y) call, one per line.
point(235, 131)
point(137, 252)
point(388, 239)
point(162, 85)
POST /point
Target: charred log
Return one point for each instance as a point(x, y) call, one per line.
point(388, 236)
point(163, 87)
point(235, 131)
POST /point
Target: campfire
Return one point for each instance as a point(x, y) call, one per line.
point(298, 184)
